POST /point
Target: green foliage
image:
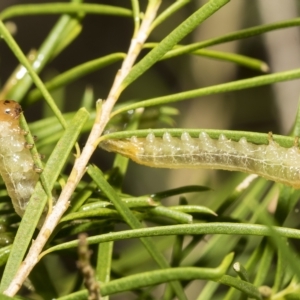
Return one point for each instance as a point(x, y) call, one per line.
point(232, 243)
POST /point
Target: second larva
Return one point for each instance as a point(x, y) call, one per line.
point(270, 161)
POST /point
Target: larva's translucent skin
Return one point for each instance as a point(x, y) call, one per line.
point(270, 161)
point(16, 163)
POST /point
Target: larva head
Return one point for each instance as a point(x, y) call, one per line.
point(10, 111)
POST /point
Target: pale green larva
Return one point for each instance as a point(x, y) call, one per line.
point(270, 161)
point(16, 163)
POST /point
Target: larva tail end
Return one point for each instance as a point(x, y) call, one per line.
point(123, 147)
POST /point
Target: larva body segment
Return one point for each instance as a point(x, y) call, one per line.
point(270, 161)
point(16, 163)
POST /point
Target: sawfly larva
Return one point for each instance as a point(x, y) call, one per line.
point(270, 161)
point(16, 162)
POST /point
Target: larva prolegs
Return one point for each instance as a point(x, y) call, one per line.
point(270, 161)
